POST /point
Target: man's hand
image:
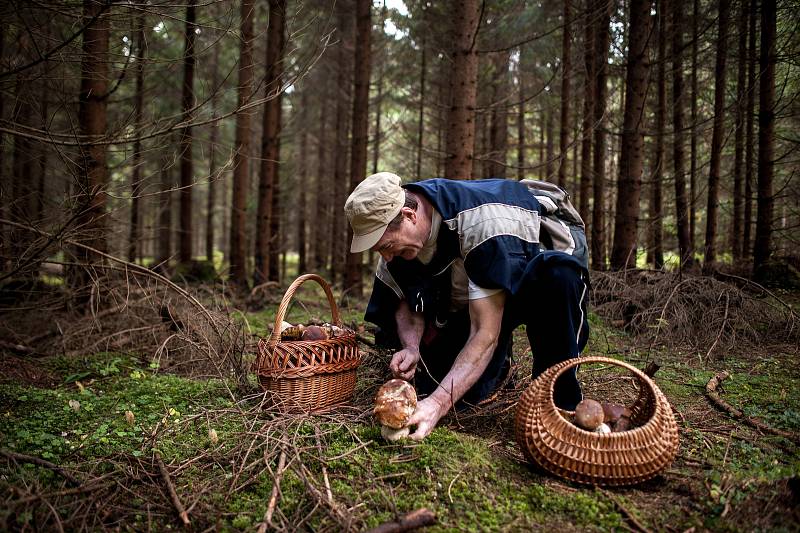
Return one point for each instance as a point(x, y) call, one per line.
point(425, 418)
point(404, 363)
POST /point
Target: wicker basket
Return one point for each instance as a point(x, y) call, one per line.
point(625, 458)
point(307, 375)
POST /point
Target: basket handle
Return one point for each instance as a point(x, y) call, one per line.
point(275, 338)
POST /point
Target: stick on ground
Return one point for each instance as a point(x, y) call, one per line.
point(273, 499)
point(184, 516)
point(41, 462)
point(413, 520)
point(713, 395)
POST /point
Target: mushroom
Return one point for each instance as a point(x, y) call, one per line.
point(314, 333)
point(603, 428)
point(395, 402)
point(589, 415)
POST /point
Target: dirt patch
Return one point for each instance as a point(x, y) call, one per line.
point(25, 372)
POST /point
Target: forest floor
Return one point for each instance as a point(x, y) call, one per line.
point(82, 436)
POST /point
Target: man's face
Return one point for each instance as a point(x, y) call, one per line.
point(402, 241)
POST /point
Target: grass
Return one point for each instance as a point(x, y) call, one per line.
point(727, 477)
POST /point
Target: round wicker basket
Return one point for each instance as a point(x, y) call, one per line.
point(307, 375)
point(565, 450)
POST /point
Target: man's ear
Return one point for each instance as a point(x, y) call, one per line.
point(410, 213)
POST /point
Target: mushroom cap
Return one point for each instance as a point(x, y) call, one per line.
point(589, 415)
point(393, 435)
point(395, 402)
point(613, 411)
point(314, 333)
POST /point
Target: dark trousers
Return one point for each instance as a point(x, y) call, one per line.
point(550, 303)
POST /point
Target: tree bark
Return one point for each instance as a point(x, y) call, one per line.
point(267, 241)
point(421, 120)
point(766, 135)
point(588, 116)
point(338, 242)
point(241, 155)
point(521, 120)
point(187, 167)
point(376, 147)
point(136, 178)
point(749, 132)
point(629, 184)
point(685, 250)
point(460, 143)
point(738, 165)
point(498, 135)
point(656, 249)
point(693, 134)
point(720, 72)
point(319, 241)
point(550, 155)
point(358, 150)
point(302, 186)
point(212, 156)
point(164, 232)
point(92, 119)
point(599, 152)
point(566, 72)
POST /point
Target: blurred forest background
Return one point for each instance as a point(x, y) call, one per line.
point(228, 134)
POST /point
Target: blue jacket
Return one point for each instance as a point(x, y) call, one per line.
point(490, 231)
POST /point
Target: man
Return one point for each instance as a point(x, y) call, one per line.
point(461, 267)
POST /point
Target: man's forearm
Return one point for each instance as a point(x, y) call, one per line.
point(410, 326)
point(466, 370)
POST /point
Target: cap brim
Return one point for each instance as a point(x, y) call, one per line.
point(362, 243)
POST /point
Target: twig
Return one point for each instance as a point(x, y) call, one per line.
point(628, 514)
point(41, 462)
point(184, 516)
point(713, 395)
point(273, 499)
point(413, 520)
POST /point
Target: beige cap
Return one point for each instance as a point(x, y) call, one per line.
point(371, 206)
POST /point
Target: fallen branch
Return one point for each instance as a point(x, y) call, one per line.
point(184, 516)
point(17, 348)
point(273, 499)
point(41, 462)
point(713, 395)
point(627, 513)
point(413, 520)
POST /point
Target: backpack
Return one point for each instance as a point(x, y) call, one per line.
point(562, 227)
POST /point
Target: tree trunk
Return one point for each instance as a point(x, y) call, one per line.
point(498, 135)
point(92, 119)
point(267, 242)
point(164, 234)
point(463, 88)
point(376, 147)
point(421, 120)
point(358, 150)
point(749, 133)
point(599, 155)
point(4, 187)
point(629, 184)
point(549, 151)
point(241, 155)
point(720, 72)
point(766, 134)
point(319, 241)
point(302, 185)
point(338, 242)
point(187, 102)
point(137, 160)
point(686, 252)
point(212, 156)
point(741, 82)
point(588, 116)
point(693, 134)
point(23, 159)
point(521, 120)
point(656, 250)
point(566, 72)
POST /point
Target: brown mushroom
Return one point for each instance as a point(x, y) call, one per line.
point(395, 402)
point(613, 411)
point(314, 333)
point(589, 415)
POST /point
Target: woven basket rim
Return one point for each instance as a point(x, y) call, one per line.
point(645, 380)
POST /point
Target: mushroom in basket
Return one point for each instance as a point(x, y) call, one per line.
point(395, 402)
